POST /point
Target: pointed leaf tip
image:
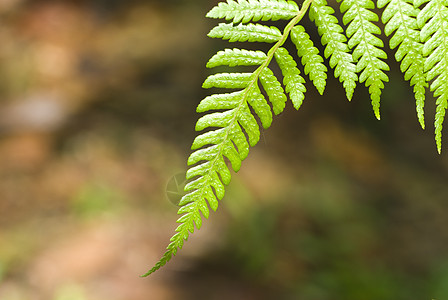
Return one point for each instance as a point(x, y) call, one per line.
point(321, 90)
point(422, 124)
point(349, 96)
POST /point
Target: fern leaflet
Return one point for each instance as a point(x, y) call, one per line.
point(274, 90)
point(249, 10)
point(246, 33)
point(293, 81)
point(336, 46)
point(236, 57)
point(311, 59)
point(366, 45)
point(400, 16)
point(433, 21)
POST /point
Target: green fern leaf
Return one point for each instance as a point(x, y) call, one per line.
point(433, 20)
point(237, 57)
point(254, 10)
point(311, 59)
point(260, 106)
point(361, 32)
point(246, 33)
point(400, 17)
point(218, 102)
point(249, 124)
point(274, 90)
point(336, 47)
point(228, 80)
point(292, 80)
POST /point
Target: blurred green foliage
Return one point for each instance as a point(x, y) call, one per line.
point(94, 200)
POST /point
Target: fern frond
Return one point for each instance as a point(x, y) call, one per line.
point(336, 45)
point(361, 32)
point(234, 126)
point(311, 60)
point(246, 33)
point(433, 21)
point(209, 167)
point(399, 16)
point(230, 125)
point(254, 10)
point(292, 79)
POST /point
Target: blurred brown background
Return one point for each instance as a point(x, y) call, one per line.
point(97, 111)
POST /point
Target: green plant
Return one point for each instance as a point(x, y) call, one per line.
point(419, 31)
